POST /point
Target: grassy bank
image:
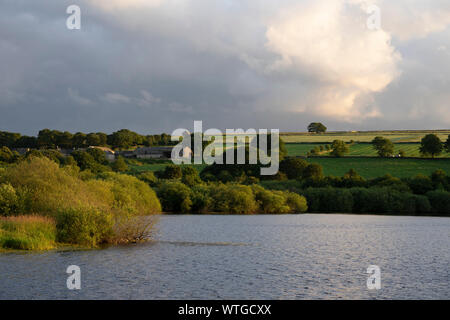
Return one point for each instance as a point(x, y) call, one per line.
point(27, 233)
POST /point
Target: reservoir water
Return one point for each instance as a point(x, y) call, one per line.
point(250, 257)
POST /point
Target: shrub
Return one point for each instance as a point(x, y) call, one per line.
point(132, 196)
point(440, 201)
point(313, 171)
point(175, 197)
point(233, 198)
point(87, 227)
point(190, 176)
point(201, 200)
point(293, 167)
point(119, 165)
point(6, 155)
point(148, 177)
point(270, 201)
point(296, 202)
point(339, 148)
point(421, 184)
point(329, 200)
point(9, 201)
point(171, 172)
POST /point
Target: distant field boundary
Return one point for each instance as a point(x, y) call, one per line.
point(444, 131)
point(356, 142)
point(373, 157)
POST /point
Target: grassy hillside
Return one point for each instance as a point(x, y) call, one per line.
point(362, 136)
point(373, 167)
point(358, 149)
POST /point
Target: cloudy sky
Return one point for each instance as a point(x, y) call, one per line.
point(158, 65)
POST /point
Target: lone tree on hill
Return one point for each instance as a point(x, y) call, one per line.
point(431, 145)
point(384, 147)
point(317, 127)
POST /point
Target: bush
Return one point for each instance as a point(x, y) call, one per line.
point(148, 177)
point(293, 167)
point(440, 201)
point(271, 201)
point(119, 165)
point(175, 197)
point(190, 176)
point(132, 196)
point(88, 227)
point(313, 171)
point(327, 200)
point(296, 202)
point(9, 201)
point(420, 184)
point(233, 198)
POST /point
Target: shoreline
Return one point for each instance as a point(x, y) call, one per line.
point(63, 247)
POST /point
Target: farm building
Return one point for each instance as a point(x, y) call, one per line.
point(110, 154)
point(159, 152)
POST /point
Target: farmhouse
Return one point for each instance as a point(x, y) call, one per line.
point(110, 154)
point(159, 152)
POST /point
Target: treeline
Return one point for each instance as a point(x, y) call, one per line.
point(430, 145)
point(92, 159)
point(352, 193)
point(181, 190)
point(52, 139)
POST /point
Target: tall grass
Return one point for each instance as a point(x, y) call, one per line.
point(27, 233)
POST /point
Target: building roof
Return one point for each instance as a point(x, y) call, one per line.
point(105, 149)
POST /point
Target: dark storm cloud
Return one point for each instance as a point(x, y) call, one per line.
point(159, 65)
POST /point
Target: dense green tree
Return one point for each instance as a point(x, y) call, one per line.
point(447, 144)
point(190, 176)
point(293, 167)
point(339, 148)
point(421, 184)
point(98, 155)
point(8, 156)
point(383, 146)
point(313, 171)
point(148, 177)
point(316, 127)
point(8, 139)
point(431, 145)
point(120, 165)
point(171, 172)
point(79, 140)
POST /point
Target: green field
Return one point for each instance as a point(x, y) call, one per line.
point(136, 168)
point(372, 167)
point(358, 149)
point(363, 136)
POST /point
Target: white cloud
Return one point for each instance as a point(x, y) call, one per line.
point(414, 19)
point(110, 5)
point(328, 42)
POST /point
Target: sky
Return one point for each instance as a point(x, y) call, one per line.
point(154, 66)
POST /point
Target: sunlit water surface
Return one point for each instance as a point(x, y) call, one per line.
point(250, 257)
